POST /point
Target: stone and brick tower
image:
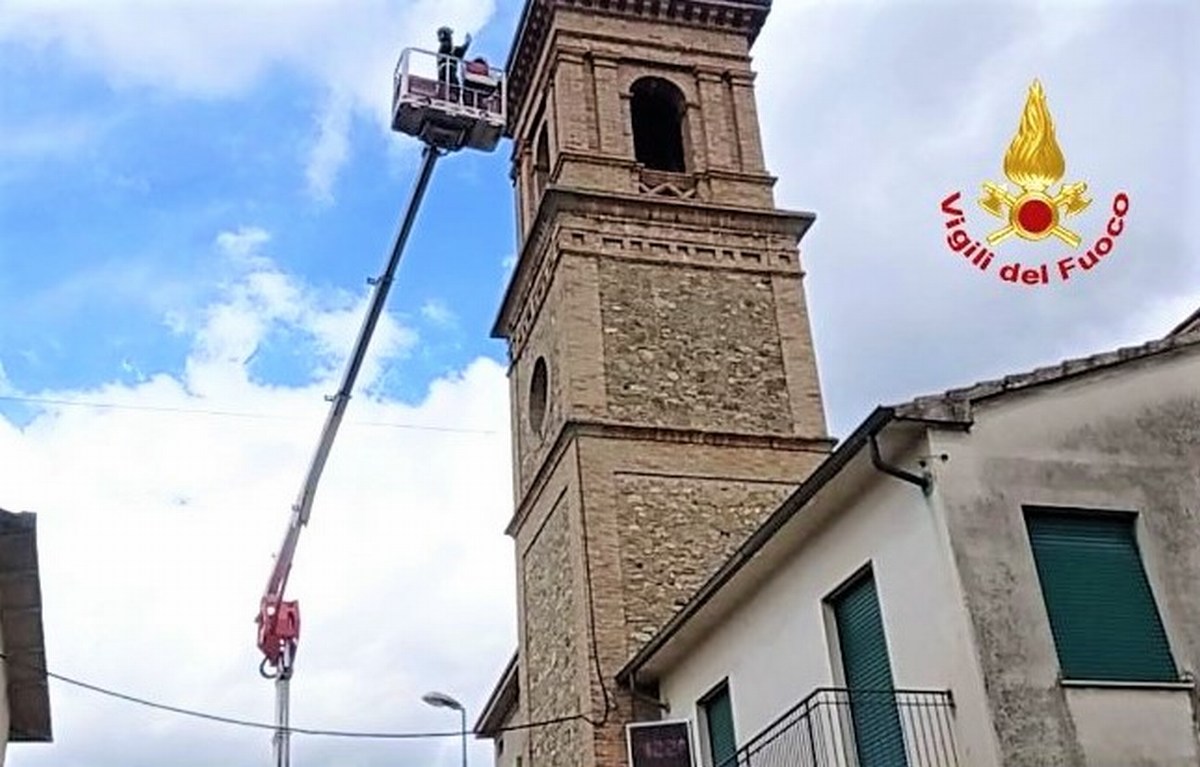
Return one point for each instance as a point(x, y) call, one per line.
point(663, 385)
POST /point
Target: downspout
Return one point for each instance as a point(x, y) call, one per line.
point(925, 481)
point(643, 697)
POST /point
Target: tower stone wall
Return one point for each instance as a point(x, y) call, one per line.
point(663, 384)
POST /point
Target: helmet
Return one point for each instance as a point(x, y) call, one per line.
point(445, 32)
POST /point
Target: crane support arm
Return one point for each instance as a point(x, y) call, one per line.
point(279, 621)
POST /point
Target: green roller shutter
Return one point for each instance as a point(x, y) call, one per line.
point(1102, 613)
point(718, 714)
point(878, 739)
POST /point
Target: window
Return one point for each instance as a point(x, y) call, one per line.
point(541, 161)
point(657, 109)
point(867, 671)
point(718, 721)
point(1102, 613)
point(538, 393)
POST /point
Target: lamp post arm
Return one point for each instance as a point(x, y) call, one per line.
point(463, 710)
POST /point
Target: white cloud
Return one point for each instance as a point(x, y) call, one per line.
point(330, 150)
point(258, 298)
point(223, 48)
point(156, 531)
point(873, 112)
point(244, 242)
point(33, 141)
point(436, 311)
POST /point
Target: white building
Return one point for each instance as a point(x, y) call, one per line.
point(1006, 574)
point(25, 710)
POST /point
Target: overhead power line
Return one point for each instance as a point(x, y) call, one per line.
point(226, 413)
point(246, 723)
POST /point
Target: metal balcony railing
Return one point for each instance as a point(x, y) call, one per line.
point(857, 728)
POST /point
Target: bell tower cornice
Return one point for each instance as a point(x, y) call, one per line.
point(736, 16)
point(776, 234)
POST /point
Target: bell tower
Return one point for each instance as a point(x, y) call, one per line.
point(663, 385)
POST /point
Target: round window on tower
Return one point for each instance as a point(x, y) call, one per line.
point(538, 388)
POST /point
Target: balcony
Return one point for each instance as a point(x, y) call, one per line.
point(857, 728)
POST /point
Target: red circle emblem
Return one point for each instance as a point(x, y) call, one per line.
point(1035, 216)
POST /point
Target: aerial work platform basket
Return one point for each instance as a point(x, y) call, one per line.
point(447, 102)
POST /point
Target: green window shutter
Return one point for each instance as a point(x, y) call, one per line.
point(879, 740)
point(718, 714)
point(1102, 613)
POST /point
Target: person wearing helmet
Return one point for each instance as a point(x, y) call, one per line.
point(449, 55)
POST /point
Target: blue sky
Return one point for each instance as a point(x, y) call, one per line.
point(112, 198)
point(193, 193)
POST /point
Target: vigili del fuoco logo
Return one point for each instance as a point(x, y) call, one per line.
point(1034, 211)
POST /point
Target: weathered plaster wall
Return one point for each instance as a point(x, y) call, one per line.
point(1129, 440)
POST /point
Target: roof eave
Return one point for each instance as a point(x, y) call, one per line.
point(500, 703)
point(793, 504)
point(1188, 325)
point(952, 409)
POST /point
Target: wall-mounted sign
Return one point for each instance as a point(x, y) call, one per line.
point(660, 744)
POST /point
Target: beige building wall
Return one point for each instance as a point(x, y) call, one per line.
point(778, 644)
point(512, 747)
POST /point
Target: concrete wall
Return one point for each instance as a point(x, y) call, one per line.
point(778, 647)
point(1122, 440)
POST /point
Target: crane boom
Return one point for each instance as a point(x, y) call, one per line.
point(302, 508)
point(446, 114)
point(279, 621)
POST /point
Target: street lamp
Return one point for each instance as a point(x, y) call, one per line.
point(442, 700)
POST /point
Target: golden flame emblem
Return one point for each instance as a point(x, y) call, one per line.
point(1034, 162)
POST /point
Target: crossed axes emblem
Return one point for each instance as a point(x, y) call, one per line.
point(1034, 215)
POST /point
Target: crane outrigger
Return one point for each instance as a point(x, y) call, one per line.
point(446, 114)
